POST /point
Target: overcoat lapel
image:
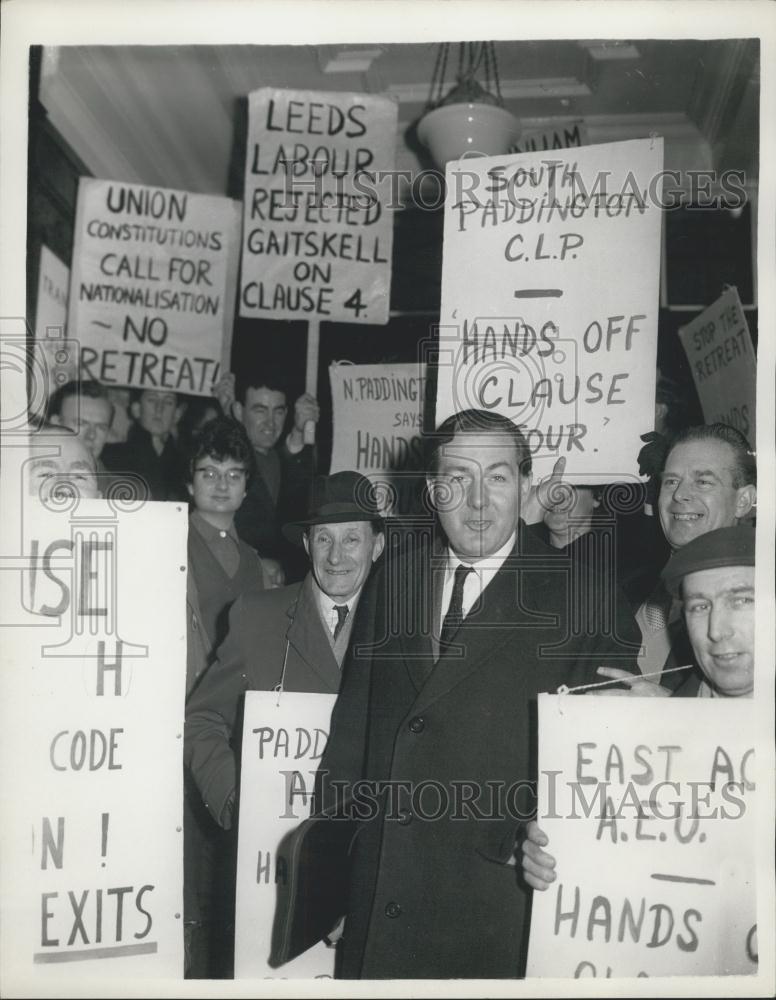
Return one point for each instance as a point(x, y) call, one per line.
point(497, 618)
point(307, 637)
point(420, 642)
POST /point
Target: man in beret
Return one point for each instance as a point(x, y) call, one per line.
point(713, 575)
point(294, 636)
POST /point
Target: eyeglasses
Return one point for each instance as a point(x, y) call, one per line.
point(212, 475)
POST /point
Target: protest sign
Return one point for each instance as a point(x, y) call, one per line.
point(318, 229)
point(284, 736)
point(565, 136)
point(153, 284)
point(92, 719)
point(547, 316)
point(51, 320)
point(378, 420)
point(719, 349)
point(650, 810)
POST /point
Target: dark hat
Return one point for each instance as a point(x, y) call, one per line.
point(722, 547)
point(345, 496)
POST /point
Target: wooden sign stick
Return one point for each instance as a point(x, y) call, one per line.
point(311, 378)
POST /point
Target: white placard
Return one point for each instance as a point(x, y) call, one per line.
point(318, 229)
point(719, 348)
point(550, 299)
point(93, 689)
point(649, 806)
point(153, 283)
point(283, 740)
point(378, 419)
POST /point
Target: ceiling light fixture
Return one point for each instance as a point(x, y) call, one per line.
point(470, 120)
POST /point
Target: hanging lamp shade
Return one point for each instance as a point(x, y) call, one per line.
point(469, 120)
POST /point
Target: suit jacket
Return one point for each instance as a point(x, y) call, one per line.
point(164, 475)
point(642, 552)
point(259, 520)
point(435, 897)
point(265, 628)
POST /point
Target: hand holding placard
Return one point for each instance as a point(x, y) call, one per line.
point(544, 494)
point(224, 392)
point(307, 413)
point(538, 866)
point(650, 813)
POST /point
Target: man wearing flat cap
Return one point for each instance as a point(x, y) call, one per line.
point(293, 637)
point(713, 575)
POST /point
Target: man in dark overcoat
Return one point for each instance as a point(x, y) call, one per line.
point(433, 737)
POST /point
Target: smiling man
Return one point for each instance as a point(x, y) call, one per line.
point(284, 464)
point(708, 481)
point(294, 636)
point(60, 465)
point(714, 577)
point(473, 621)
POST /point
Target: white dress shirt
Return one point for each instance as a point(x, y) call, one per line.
point(326, 607)
point(483, 572)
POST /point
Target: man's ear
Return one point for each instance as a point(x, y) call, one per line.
point(134, 409)
point(190, 488)
point(306, 542)
point(379, 545)
point(237, 411)
point(746, 499)
point(524, 487)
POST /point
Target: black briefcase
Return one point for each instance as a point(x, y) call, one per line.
point(314, 896)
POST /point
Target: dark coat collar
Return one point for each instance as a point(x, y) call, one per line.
point(489, 625)
point(307, 635)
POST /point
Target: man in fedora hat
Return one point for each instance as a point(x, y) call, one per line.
point(294, 637)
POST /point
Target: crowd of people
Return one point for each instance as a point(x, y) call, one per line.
point(436, 637)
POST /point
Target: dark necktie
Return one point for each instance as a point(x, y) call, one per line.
point(454, 615)
point(342, 614)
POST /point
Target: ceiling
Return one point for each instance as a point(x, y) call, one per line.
point(173, 115)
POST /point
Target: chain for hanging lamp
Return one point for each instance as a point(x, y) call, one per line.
point(473, 58)
point(470, 119)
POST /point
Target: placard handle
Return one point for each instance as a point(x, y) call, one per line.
point(311, 377)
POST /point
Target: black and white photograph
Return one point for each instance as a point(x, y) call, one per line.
point(387, 475)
